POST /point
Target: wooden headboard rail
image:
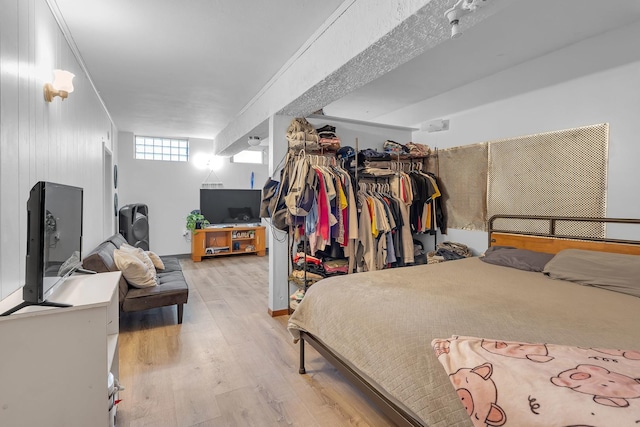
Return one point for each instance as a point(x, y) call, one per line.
point(554, 243)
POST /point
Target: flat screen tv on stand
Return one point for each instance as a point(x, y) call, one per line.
point(231, 207)
point(54, 241)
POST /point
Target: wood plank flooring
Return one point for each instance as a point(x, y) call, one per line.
point(229, 363)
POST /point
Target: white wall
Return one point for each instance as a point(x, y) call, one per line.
point(607, 96)
point(369, 135)
point(172, 189)
point(62, 142)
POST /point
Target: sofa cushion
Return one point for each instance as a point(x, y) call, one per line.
point(117, 240)
point(101, 260)
point(171, 289)
point(170, 264)
point(169, 277)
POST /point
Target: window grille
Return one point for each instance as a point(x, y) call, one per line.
point(169, 149)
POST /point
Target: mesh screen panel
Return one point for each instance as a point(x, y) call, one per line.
point(562, 173)
point(463, 183)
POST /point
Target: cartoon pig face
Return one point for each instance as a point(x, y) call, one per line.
point(478, 394)
point(608, 388)
point(533, 352)
point(627, 354)
point(441, 347)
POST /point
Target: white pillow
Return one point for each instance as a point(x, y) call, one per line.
point(134, 270)
point(141, 255)
point(157, 262)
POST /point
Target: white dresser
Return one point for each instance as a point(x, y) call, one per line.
point(55, 362)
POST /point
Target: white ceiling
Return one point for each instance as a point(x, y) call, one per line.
point(425, 87)
point(187, 69)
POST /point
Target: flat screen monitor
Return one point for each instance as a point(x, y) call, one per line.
point(230, 206)
point(54, 241)
point(54, 238)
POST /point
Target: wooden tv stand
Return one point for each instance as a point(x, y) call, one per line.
point(216, 241)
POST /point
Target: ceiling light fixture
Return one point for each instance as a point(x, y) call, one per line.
point(254, 141)
point(62, 85)
point(460, 9)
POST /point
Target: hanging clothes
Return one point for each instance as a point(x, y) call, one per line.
point(402, 191)
point(370, 226)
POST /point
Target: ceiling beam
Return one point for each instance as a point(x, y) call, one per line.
point(360, 42)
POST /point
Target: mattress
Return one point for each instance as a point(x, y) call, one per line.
point(382, 323)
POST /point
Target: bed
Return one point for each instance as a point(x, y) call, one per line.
point(384, 330)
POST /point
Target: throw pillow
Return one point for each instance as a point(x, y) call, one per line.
point(157, 262)
point(141, 255)
point(522, 259)
point(615, 272)
point(134, 270)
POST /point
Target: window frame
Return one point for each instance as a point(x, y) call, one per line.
point(260, 152)
point(160, 148)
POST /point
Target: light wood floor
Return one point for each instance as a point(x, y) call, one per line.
point(229, 363)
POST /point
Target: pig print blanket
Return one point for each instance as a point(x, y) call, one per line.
point(506, 383)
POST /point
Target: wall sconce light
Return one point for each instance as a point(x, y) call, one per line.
point(254, 141)
point(62, 85)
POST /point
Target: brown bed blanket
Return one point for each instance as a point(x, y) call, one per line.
point(382, 323)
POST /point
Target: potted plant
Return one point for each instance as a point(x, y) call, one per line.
point(195, 220)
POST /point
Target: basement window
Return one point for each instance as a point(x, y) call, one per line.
point(154, 148)
point(248, 156)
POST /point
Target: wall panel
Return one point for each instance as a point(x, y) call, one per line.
point(58, 141)
point(9, 153)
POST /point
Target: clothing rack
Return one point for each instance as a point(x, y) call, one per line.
point(316, 158)
point(379, 184)
point(400, 164)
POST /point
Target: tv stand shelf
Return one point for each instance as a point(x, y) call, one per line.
point(216, 241)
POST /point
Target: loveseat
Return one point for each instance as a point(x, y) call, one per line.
point(172, 287)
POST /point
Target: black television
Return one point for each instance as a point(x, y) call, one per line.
point(54, 241)
point(224, 206)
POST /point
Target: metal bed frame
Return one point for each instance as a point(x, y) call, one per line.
point(395, 411)
point(391, 408)
point(553, 220)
